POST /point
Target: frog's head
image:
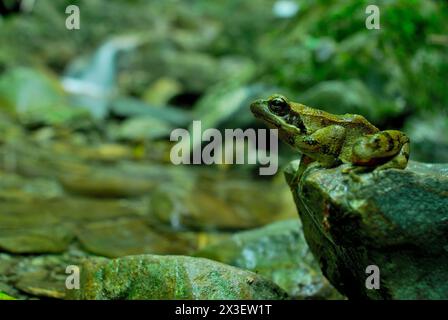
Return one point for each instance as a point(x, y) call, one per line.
point(278, 113)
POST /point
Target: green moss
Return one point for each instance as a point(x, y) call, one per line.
point(170, 277)
point(4, 296)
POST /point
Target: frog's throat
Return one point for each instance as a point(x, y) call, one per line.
point(260, 111)
point(284, 128)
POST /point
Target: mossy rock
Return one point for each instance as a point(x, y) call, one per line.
point(394, 219)
point(4, 296)
point(169, 277)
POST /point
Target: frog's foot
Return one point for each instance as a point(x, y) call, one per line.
point(355, 171)
point(382, 150)
point(400, 161)
point(305, 161)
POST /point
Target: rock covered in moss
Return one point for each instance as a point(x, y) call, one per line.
point(279, 252)
point(36, 276)
point(394, 219)
point(169, 277)
point(4, 296)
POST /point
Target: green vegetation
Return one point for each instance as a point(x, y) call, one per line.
point(4, 296)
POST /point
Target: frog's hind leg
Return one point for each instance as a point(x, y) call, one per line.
point(324, 144)
point(400, 161)
point(382, 150)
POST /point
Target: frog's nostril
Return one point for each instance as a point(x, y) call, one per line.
point(254, 106)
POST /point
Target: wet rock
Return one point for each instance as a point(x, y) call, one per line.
point(170, 277)
point(7, 264)
point(38, 284)
point(278, 252)
point(218, 204)
point(16, 187)
point(49, 225)
point(130, 237)
point(141, 128)
point(16, 215)
point(103, 170)
point(24, 157)
point(108, 153)
point(128, 107)
point(125, 179)
point(45, 275)
point(394, 219)
point(104, 183)
point(53, 239)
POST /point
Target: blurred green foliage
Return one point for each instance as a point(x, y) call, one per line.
point(400, 63)
point(200, 53)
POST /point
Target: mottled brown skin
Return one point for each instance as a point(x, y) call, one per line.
point(333, 139)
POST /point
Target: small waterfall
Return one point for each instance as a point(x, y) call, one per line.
point(92, 83)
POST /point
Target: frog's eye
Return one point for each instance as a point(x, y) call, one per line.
point(279, 106)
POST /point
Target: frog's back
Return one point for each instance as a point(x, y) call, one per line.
point(315, 119)
point(356, 124)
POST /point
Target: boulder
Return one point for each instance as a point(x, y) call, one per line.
point(394, 219)
point(169, 277)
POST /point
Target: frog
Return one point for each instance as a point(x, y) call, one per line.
point(332, 140)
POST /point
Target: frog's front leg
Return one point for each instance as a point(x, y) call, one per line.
point(385, 149)
point(305, 161)
point(323, 145)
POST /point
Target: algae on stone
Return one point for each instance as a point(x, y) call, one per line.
point(170, 277)
point(4, 296)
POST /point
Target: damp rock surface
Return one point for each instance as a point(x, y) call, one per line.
point(394, 219)
point(279, 252)
point(147, 277)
